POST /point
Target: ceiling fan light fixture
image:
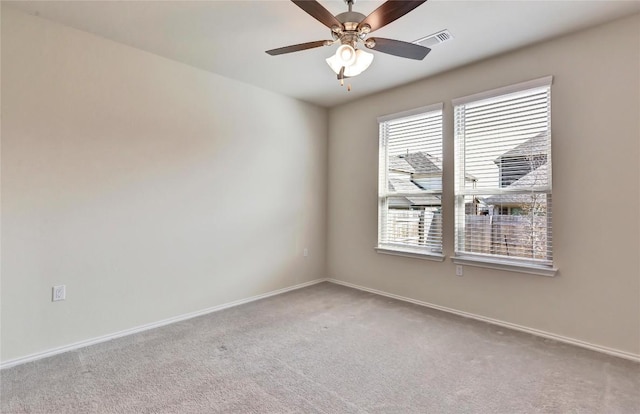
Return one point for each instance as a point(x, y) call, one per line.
point(350, 28)
point(362, 60)
point(346, 54)
point(334, 63)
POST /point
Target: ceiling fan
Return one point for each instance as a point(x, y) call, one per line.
point(351, 29)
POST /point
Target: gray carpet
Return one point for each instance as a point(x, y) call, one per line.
point(325, 349)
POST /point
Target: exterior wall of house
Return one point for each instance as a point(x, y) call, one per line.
point(149, 188)
point(595, 297)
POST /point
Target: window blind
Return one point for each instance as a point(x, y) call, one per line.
point(410, 181)
point(503, 176)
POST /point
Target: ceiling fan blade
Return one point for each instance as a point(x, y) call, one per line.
point(296, 48)
point(390, 11)
point(399, 48)
point(318, 12)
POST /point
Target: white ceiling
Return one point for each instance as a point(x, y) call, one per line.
point(229, 37)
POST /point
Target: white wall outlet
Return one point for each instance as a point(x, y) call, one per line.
point(59, 293)
point(305, 252)
point(458, 270)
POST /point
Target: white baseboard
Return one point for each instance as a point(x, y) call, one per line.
point(77, 345)
point(537, 332)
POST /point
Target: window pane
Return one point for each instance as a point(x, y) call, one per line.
point(411, 182)
point(503, 177)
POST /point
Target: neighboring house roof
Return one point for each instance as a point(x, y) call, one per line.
point(535, 145)
point(417, 162)
point(402, 169)
point(535, 178)
point(428, 200)
point(408, 171)
point(402, 184)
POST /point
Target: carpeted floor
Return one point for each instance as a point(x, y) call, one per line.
point(325, 349)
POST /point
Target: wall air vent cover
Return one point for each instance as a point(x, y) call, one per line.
point(435, 38)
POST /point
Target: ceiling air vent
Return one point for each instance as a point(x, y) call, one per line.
point(434, 39)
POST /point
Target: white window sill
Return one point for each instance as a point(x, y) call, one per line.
point(416, 254)
point(502, 265)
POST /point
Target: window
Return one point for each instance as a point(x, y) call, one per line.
point(503, 175)
point(410, 182)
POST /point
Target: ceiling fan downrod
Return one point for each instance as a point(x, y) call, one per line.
point(350, 3)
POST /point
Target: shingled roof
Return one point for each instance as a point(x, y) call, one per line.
point(416, 163)
point(539, 177)
point(533, 146)
point(535, 178)
point(402, 169)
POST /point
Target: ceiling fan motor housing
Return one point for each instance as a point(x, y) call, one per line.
point(350, 19)
point(350, 34)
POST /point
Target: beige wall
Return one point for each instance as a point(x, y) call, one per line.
point(149, 188)
point(153, 189)
point(595, 110)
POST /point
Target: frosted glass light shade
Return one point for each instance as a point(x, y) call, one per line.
point(361, 63)
point(363, 60)
point(346, 55)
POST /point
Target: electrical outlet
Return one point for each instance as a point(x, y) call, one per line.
point(59, 293)
point(305, 252)
point(458, 270)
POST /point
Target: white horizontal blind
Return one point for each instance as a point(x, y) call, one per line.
point(410, 181)
point(503, 177)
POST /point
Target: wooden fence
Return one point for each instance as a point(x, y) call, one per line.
point(507, 235)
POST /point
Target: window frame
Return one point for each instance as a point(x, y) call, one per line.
point(383, 192)
point(490, 260)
